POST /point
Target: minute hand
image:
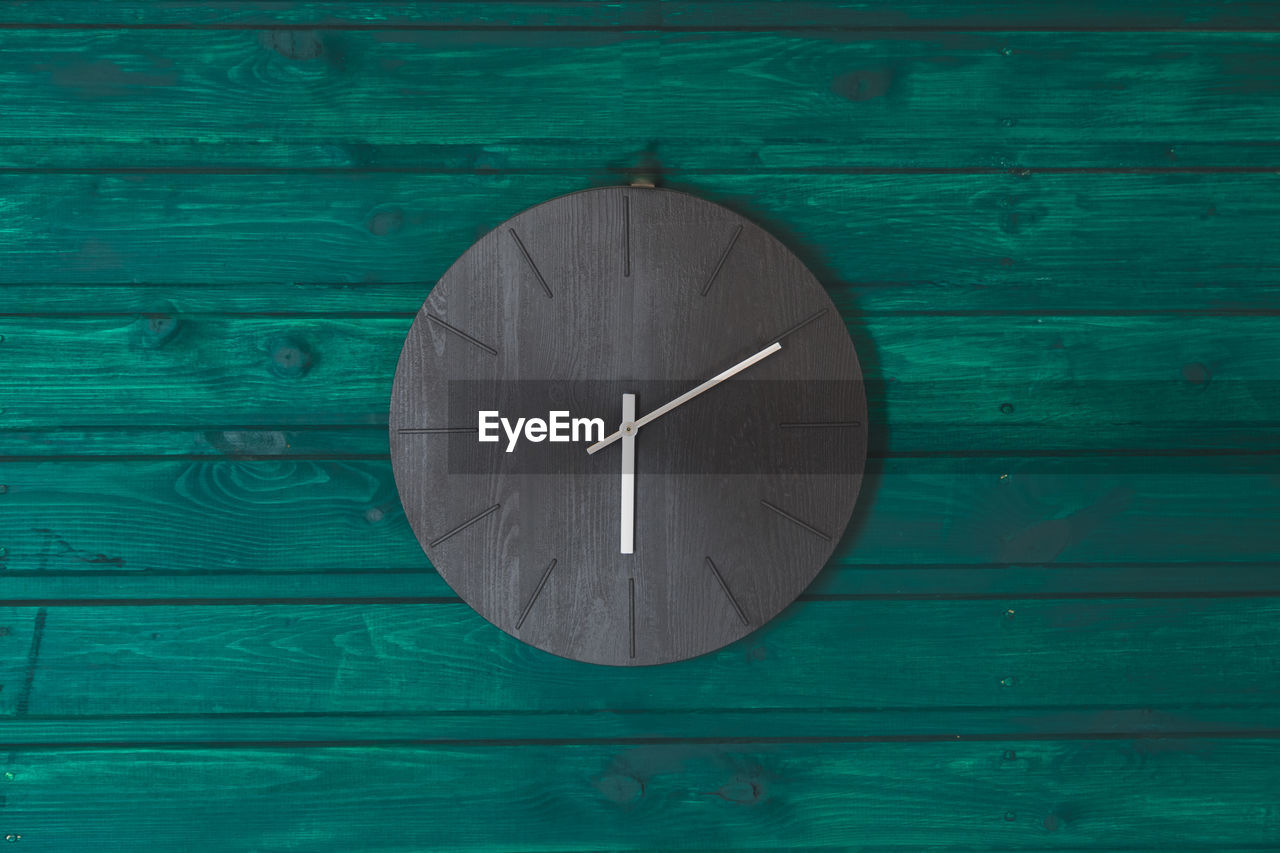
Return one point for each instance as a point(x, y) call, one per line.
point(688, 395)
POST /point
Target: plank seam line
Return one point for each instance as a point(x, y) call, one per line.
point(1154, 313)
point(799, 171)
point(683, 711)
point(323, 571)
point(649, 28)
point(1189, 455)
point(993, 425)
point(981, 737)
point(325, 601)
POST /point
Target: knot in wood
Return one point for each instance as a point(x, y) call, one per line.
point(293, 44)
point(290, 358)
point(159, 327)
point(384, 222)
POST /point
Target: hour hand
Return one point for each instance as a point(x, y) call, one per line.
point(631, 427)
point(628, 477)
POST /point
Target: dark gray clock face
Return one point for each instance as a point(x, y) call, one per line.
point(740, 494)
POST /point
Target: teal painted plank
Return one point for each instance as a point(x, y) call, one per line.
point(19, 653)
point(1015, 653)
point(602, 100)
point(742, 797)
point(1160, 291)
point(1076, 374)
point(882, 243)
point(1221, 448)
point(59, 585)
point(519, 729)
point(245, 298)
point(1059, 14)
point(326, 14)
point(986, 14)
point(65, 585)
point(250, 442)
point(622, 159)
point(333, 515)
point(1054, 795)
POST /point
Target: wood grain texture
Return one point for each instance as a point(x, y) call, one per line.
point(257, 441)
point(1142, 445)
point(420, 585)
point(334, 515)
point(618, 101)
point(326, 14)
point(629, 314)
point(1053, 627)
point(928, 243)
point(518, 729)
point(1078, 653)
point(1116, 795)
point(1191, 15)
point(1054, 379)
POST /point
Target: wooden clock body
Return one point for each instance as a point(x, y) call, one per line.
point(740, 494)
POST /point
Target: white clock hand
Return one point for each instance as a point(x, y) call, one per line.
point(630, 428)
point(628, 476)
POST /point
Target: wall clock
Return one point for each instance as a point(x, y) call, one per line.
point(628, 426)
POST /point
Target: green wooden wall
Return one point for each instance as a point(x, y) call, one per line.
point(1053, 230)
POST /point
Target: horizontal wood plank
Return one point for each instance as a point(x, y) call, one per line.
point(333, 515)
point(21, 631)
point(345, 441)
point(1103, 653)
point(328, 14)
point(707, 14)
point(755, 797)
point(520, 729)
point(622, 101)
point(1052, 625)
point(675, 162)
point(1133, 447)
point(1101, 379)
point(63, 586)
point(376, 243)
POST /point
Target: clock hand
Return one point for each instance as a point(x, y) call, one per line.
point(630, 428)
point(628, 476)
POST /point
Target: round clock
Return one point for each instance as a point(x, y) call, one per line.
point(628, 426)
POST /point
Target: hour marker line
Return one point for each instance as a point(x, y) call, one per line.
point(433, 318)
point(798, 326)
point(631, 585)
point(720, 263)
point(546, 573)
point(464, 525)
point(436, 430)
point(626, 235)
point(820, 424)
point(789, 517)
point(542, 281)
point(729, 595)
